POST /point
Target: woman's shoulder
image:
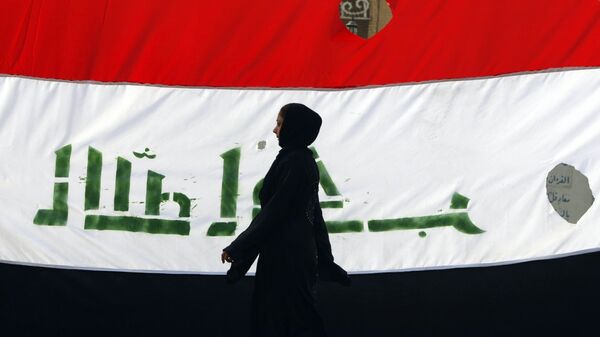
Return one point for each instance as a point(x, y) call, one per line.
point(296, 157)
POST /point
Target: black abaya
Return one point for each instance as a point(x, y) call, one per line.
point(290, 237)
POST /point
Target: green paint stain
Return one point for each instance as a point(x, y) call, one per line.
point(144, 154)
point(256, 192)
point(344, 226)
point(255, 212)
point(460, 221)
point(153, 192)
point(332, 204)
point(326, 181)
point(92, 181)
point(164, 197)
point(57, 216)
point(315, 154)
point(184, 204)
point(256, 197)
point(122, 184)
point(459, 201)
point(229, 186)
point(324, 177)
point(134, 224)
point(221, 229)
point(63, 162)
point(422, 234)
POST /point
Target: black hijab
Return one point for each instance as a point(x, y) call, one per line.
point(300, 127)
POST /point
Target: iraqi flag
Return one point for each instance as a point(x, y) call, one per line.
point(134, 136)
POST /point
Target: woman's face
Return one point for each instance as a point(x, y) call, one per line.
point(278, 125)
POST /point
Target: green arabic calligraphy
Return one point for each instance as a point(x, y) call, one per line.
point(58, 214)
point(330, 189)
point(154, 196)
point(460, 220)
point(145, 154)
point(229, 194)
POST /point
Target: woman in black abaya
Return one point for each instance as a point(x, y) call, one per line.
point(288, 235)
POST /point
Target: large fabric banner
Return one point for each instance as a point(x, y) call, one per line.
point(433, 175)
point(134, 135)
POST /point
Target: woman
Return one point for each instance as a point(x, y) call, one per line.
point(288, 234)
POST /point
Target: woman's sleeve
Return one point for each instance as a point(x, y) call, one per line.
point(322, 236)
point(289, 182)
point(328, 270)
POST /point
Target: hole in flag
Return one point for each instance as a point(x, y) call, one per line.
point(568, 192)
point(365, 18)
point(261, 145)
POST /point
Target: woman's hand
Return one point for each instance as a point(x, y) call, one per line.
point(225, 257)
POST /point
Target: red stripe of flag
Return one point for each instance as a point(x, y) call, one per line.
point(292, 43)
